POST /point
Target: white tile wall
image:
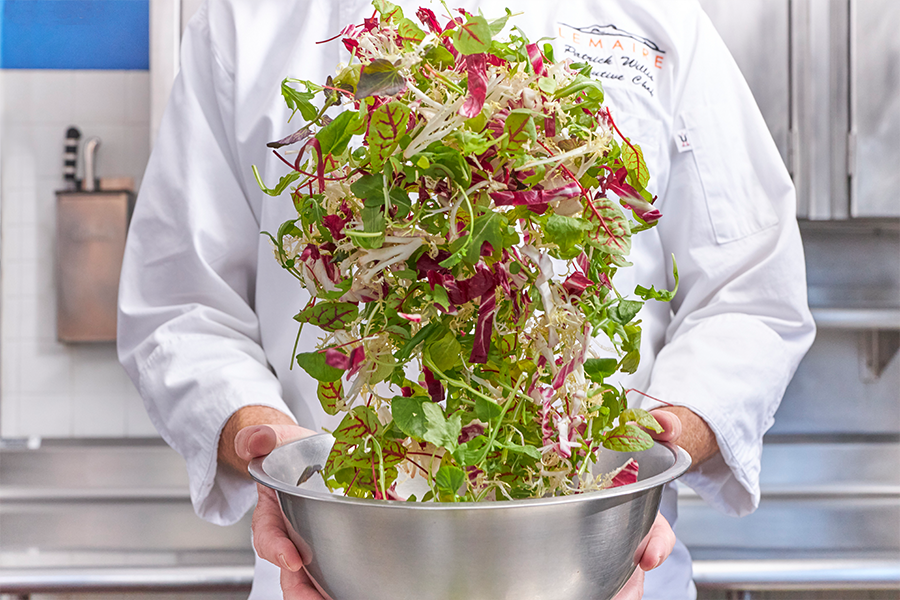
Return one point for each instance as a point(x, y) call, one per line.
point(50, 389)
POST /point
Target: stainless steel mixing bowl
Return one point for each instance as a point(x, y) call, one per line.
point(577, 547)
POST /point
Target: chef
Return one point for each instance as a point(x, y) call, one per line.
point(205, 309)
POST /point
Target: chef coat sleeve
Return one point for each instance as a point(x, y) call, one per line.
point(188, 334)
point(740, 322)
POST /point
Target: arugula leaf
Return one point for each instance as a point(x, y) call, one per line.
point(661, 295)
point(491, 227)
point(441, 431)
point(334, 137)
point(299, 101)
point(625, 311)
point(282, 185)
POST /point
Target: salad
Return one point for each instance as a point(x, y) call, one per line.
point(464, 202)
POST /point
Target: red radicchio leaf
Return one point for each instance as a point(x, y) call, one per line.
point(576, 283)
point(533, 199)
point(406, 391)
point(427, 17)
point(435, 389)
point(350, 45)
point(426, 264)
point(537, 59)
point(357, 355)
point(415, 318)
point(630, 197)
point(627, 474)
point(476, 69)
point(335, 225)
point(536, 200)
point(470, 431)
point(339, 360)
point(484, 327)
point(550, 126)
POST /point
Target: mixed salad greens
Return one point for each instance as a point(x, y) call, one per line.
point(459, 225)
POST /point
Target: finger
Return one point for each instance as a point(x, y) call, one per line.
point(670, 423)
point(259, 440)
point(298, 586)
point(656, 546)
point(270, 538)
point(634, 587)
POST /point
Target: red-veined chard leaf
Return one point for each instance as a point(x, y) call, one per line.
point(642, 418)
point(634, 161)
point(386, 127)
point(379, 78)
point(628, 438)
point(410, 34)
point(390, 12)
point(330, 395)
point(329, 316)
point(520, 128)
point(473, 36)
point(611, 232)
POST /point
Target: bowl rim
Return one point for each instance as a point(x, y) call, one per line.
point(682, 463)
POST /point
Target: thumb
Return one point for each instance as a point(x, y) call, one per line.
point(259, 440)
point(671, 424)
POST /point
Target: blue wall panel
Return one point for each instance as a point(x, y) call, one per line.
point(75, 34)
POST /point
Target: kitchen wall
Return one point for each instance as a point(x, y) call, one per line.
point(50, 389)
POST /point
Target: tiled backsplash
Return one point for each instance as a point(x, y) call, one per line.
point(51, 389)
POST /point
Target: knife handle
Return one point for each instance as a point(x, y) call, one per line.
point(70, 158)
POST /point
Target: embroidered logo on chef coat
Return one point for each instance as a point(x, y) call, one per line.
point(682, 141)
point(615, 55)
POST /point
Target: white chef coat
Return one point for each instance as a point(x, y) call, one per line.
point(205, 310)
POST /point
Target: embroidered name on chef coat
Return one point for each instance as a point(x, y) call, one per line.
point(615, 55)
